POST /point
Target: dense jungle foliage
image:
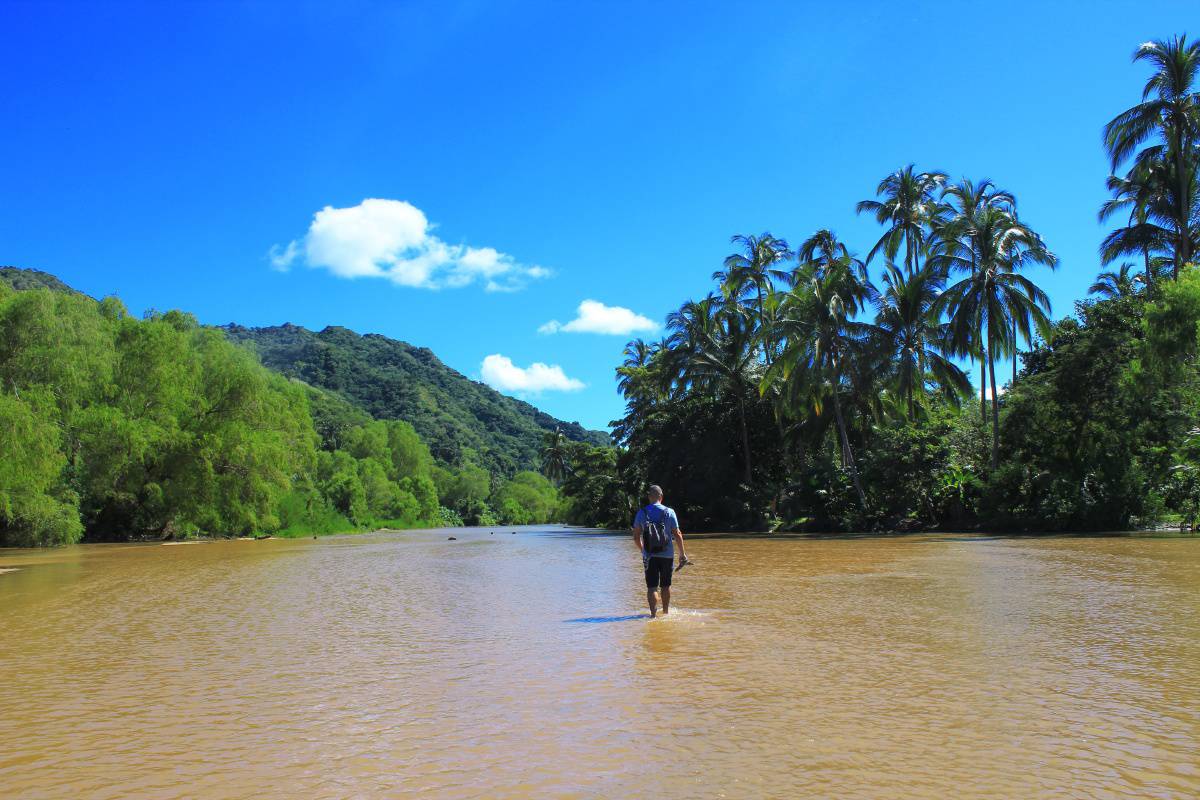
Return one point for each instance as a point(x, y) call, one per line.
point(115, 428)
point(803, 394)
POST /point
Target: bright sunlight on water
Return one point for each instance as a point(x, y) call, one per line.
point(511, 666)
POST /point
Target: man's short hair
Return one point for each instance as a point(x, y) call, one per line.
point(654, 491)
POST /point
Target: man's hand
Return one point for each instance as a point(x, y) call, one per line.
point(683, 562)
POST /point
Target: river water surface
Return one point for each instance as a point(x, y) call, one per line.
point(514, 666)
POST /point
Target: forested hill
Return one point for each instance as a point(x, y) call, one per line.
point(21, 279)
point(391, 379)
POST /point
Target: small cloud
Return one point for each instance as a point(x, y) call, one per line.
point(282, 258)
point(595, 317)
point(392, 239)
point(501, 373)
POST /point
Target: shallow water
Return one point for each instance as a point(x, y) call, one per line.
point(500, 666)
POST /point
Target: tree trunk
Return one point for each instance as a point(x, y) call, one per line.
point(762, 327)
point(1014, 380)
point(1183, 252)
point(983, 358)
point(995, 409)
point(847, 453)
point(1149, 271)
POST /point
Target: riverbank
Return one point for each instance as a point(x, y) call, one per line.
point(1149, 533)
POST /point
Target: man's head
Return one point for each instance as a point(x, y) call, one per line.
point(654, 494)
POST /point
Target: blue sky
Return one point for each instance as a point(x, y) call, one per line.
point(552, 152)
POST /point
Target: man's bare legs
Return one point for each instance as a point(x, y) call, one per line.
point(652, 599)
point(666, 594)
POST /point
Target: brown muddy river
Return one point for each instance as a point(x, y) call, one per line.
point(406, 665)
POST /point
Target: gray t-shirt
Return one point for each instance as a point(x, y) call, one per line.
point(659, 513)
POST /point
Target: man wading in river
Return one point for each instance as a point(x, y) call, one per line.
point(655, 530)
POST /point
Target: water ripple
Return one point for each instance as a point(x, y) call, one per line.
point(403, 665)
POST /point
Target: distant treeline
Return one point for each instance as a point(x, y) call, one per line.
point(802, 394)
point(115, 428)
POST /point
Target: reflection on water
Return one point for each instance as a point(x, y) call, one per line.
point(526, 666)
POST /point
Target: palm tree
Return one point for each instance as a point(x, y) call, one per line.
point(1112, 285)
point(994, 302)
point(1143, 193)
point(954, 226)
point(717, 353)
point(821, 341)
point(1169, 114)
point(824, 252)
point(907, 208)
point(637, 358)
point(917, 343)
point(754, 271)
point(555, 453)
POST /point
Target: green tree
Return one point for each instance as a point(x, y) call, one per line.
point(822, 341)
point(554, 454)
point(956, 226)
point(716, 343)
point(36, 507)
point(918, 344)
point(1143, 194)
point(527, 498)
point(1169, 117)
point(751, 274)
point(1122, 283)
point(994, 299)
point(907, 210)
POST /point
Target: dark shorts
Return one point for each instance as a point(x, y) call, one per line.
point(658, 571)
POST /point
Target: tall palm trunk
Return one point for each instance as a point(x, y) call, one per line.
point(763, 329)
point(1014, 380)
point(995, 404)
point(1183, 252)
point(983, 383)
point(1146, 258)
point(847, 453)
point(982, 356)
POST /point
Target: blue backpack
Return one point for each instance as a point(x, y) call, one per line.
point(655, 537)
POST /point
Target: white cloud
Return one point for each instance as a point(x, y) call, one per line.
point(501, 373)
point(595, 317)
point(392, 239)
point(282, 257)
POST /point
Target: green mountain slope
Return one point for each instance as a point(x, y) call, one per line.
point(390, 379)
point(20, 279)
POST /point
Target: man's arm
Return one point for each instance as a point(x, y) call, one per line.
point(679, 541)
point(637, 537)
point(683, 559)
